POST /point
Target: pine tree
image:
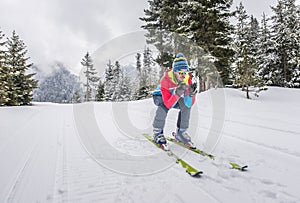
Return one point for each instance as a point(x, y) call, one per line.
point(265, 52)
point(108, 85)
point(286, 35)
point(212, 32)
point(240, 41)
point(206, 23)
point(20, 83)
point(252, 36)
point(100, 96)
point(158, 33)
point(162, 14)
point(248, 75)
point(246, 45)
point(124, 88)
point(139, 74)
point(138, 63)
point(293, 19)
point(148, 70)
point(76, 97)
point(91, 77)
point(3, 73)
point(148, 77)
point(165, 60)
point(116, 81)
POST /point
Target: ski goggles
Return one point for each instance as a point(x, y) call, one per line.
point(182, 72)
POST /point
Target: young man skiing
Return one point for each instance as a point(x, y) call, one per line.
point(175, 91)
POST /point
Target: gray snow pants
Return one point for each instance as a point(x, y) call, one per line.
point(183, 115)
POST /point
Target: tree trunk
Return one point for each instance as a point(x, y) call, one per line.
point(247, 92)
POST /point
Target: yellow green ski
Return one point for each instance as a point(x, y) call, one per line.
point(212, 157)
point(198, 151)
point(189, 169)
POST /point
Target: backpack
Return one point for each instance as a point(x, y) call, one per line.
point(157, 96)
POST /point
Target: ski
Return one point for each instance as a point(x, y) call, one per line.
point(189, 169)
point(198, 151)
point(238, 167)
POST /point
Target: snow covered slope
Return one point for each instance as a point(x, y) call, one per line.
point(94, 152)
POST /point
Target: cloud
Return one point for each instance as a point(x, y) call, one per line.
point(64, 30)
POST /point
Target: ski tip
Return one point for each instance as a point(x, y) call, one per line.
point(244, 168)
point(197, 174)
point(238, 167)
point(212, 157)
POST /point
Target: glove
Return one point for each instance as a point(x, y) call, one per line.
point(180, 89)
point(192, 89)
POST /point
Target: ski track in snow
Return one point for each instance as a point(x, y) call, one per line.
point(25, 164)
point(258, 128)
point(80, 179)
point(45, 160)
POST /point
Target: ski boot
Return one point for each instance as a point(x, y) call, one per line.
point(159, 138)
point(183, 136)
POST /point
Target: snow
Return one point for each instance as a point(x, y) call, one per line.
point(94, 152)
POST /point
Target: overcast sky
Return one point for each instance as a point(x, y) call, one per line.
point(64, 30)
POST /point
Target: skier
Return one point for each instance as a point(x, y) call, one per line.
point(175, 91)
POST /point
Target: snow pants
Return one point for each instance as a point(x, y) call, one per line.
point(183, 115)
